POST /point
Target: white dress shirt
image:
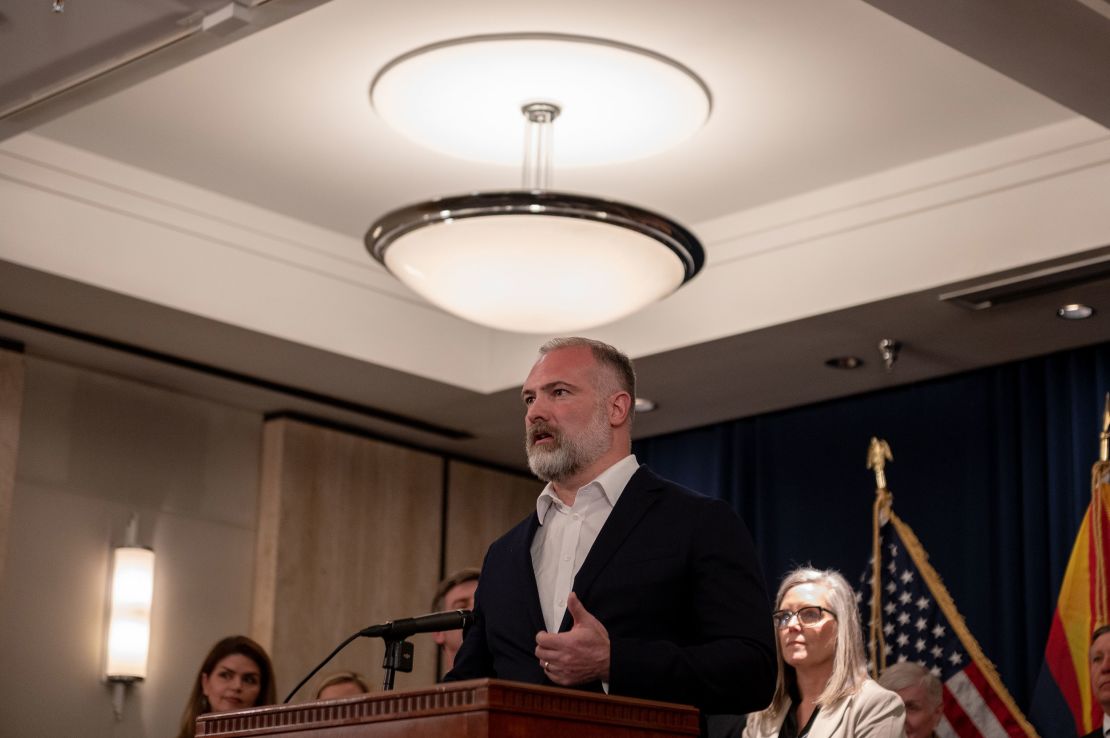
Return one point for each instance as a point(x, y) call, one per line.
point(566, 535)
point(1105, 724)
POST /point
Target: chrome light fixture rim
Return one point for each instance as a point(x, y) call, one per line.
point(397, 223)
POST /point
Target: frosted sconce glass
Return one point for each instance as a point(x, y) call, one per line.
point(129, 621)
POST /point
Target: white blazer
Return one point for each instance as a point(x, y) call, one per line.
point(872, 712)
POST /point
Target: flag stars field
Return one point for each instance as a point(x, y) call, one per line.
point(920, 623)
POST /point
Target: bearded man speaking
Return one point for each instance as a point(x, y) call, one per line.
point(621, 581)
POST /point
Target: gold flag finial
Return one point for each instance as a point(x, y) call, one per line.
point(1104, 437)
point(878, 453)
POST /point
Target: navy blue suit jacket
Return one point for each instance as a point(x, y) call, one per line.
point(672, 576)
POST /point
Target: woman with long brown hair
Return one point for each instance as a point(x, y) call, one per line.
point(236, 674)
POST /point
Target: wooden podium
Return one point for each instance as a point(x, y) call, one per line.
point(480, 708)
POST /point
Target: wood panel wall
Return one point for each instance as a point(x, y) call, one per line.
point(349, 534)
point(11, 407)
point(482, 504)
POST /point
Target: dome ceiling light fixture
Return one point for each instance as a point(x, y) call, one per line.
point(536, 260)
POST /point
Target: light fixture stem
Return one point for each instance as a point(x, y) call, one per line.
point(131, 536)
point(119, 693)
point(538, 134)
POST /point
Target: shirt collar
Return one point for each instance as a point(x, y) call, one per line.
point(612, 482)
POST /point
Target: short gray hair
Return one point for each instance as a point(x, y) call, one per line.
point(906, 674)
point(605, 355)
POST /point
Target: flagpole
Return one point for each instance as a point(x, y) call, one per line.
point(878, 453)
point(1104, 437)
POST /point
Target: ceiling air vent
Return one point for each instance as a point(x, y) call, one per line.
point(1011, 286)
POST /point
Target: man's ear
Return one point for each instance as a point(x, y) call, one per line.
point(620, 407)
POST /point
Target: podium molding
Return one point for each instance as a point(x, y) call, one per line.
point(470, 709)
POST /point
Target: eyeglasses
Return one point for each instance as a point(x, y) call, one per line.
point(807, 616)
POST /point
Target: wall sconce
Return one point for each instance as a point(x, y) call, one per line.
point(129, 618)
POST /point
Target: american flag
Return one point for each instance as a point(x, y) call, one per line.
point(917, 621)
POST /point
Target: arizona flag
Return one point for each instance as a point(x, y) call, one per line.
point(1062, 699)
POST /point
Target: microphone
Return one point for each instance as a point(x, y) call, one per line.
point(436, 621)
point(398, 654)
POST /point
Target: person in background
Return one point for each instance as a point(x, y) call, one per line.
point(822, 690)
point(1100, 677)
point(235, 674)
point(619, 581)
point(456, 592)
point(342, 684)
point(920, 692)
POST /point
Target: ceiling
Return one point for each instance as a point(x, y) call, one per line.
point(193, 218)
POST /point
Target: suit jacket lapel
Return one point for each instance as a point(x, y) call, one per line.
point(828, 721)
point(636, 499)
point(526, 573)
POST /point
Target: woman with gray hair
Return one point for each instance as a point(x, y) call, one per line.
point(922, 694)
point(822, 689)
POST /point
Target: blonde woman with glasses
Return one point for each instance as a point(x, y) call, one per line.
point(822, 690)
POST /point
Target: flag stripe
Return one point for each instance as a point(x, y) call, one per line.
point(1075, 608)
point(958, 721)
point(921, 624)
point(944, 730)
point(1065, 677)
point(964, 691)
point(1060, 665)
point(988, 695)
point(1092, 714)
point(1095, 548)
point(967, 641)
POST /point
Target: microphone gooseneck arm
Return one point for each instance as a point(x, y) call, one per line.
point(395, 632)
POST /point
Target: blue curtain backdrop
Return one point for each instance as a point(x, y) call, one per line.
point(991, 469)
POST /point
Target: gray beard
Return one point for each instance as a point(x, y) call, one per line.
point(553, 465)
point(569, 455)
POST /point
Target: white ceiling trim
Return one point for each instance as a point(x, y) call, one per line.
point(97, 221)
point(965, 172)
point(1003, 204)
point(850, 245)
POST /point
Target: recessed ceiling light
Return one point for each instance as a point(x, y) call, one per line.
point(1075, 311)
point(644, 405)
point(844, 362)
